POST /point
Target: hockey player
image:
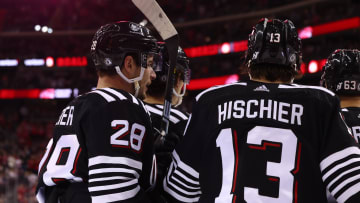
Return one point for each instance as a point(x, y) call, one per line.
point(266, 140)
point(156, 92)
point(102, 147)
point(154, 104)
point(341, 74)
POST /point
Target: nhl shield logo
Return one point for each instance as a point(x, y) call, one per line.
point(136, 28)
point(293, 58)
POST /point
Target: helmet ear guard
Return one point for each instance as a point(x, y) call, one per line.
point(274, 42)
point(341, 72)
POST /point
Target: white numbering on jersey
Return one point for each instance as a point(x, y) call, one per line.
point(56, 171)
point(275, 37)
point(350, 84)
point(225, 142)
point(137, 134)
point(258, 137)
point(356, 133)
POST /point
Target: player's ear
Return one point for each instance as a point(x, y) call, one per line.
point(129, 67)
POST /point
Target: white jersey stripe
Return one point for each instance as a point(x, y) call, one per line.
point(177, 196)
point(143, 105)
point(344, 183)
point(172, 192)
point(48, 146)
point(106, 96)
point(113, 170)
point(187, 186)
point(187, 124)
point(342, 174)
point(186, 178)
point(115, 196)
point(218, 87)
point(337, 156)
point(176, 187)
point(109, 178)
point(185, 191)
point(175, 111)
point(116, 93)
point(348, 193)
point(134, 99)
point(184, 166)
point(340, 166)
point(115, 160)
point(158, 112)
point(296, 86)
point(113, 186)
point(40, 195)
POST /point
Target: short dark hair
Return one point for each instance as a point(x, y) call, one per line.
point(272, 72)
point(157, 87)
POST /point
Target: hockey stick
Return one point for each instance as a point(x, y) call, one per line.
point(167, 31)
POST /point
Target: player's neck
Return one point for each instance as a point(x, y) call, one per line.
point(154, 100)
point(348, 101)
point(116, 82)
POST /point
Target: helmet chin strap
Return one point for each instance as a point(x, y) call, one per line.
point(137, 88)
point(132, 80)
point(180, 96)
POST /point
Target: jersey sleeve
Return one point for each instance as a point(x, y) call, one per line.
point(182, 180)
point(119, 145)
point(340, 159)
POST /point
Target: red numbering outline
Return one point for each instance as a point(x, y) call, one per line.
point(65, 149)
point(295, 171)
point(236, 163)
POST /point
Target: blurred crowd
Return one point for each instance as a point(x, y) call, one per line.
point(25, 128)
point(26, 125)
point(83, 78)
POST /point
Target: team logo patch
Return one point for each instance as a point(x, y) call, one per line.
point(108, 62)
point(93, 46)
point(292, 58)
point(136, 28)
point(262, 88)
point(255, 55)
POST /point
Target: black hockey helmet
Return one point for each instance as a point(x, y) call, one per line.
point(274, 42)
point(341, 72)
point(157, 87)
point(182, 64)
point(112, 42)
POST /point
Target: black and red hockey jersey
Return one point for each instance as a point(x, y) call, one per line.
point(352, 119)
point(265, 143)
point(104, 139)
point(178, 119)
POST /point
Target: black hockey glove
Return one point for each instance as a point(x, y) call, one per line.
point(165, 143)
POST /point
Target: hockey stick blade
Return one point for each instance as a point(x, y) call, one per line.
point(155, 14)
point(167, 31)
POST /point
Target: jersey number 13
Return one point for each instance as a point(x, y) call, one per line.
point(258, 137)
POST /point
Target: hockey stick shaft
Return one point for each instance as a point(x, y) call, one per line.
point(167, 31)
